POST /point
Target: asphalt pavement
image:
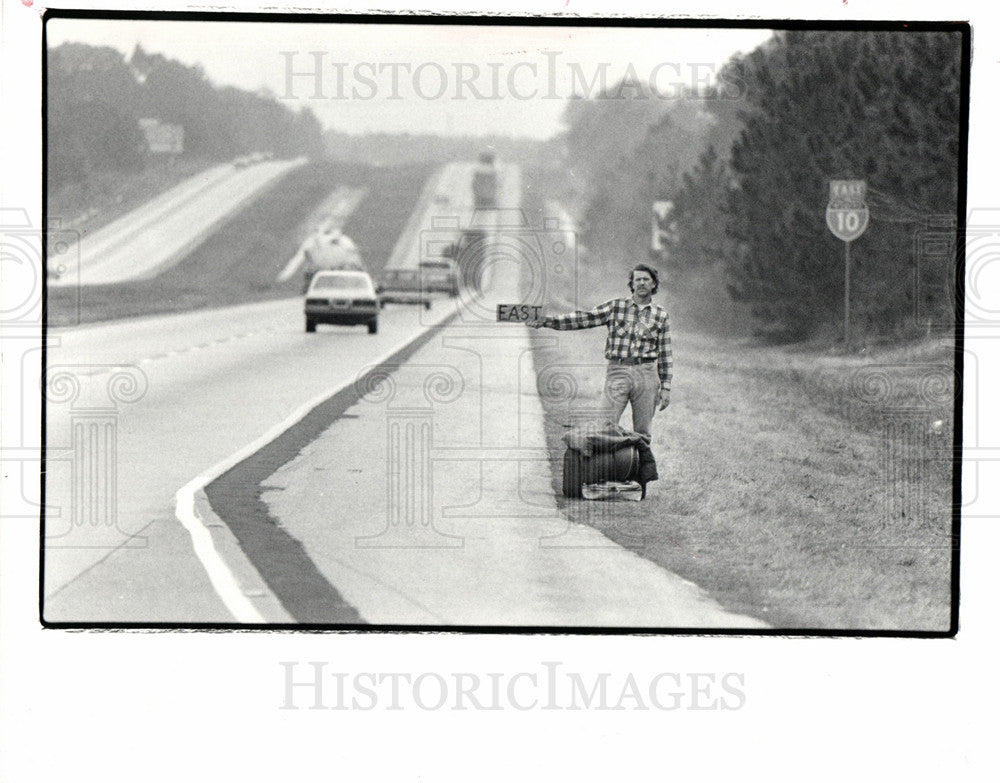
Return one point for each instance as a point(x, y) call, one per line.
point(139, 408)
point(159, 233)
point(407, 480)
point(429, 501)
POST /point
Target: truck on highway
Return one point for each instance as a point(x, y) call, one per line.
point(485, 182)
point(329, 249)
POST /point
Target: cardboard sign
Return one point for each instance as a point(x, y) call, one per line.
point(518, 313)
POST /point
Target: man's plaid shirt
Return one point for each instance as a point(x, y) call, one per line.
point(633, 332)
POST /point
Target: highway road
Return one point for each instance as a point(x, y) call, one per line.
point(161, 232)
point(137, 409)
point(144, 414)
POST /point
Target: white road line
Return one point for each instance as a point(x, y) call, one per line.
point(293, 264)
point(219, 574)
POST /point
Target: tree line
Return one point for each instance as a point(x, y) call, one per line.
point(747, 171)
point(96, 98)
point(391, 149)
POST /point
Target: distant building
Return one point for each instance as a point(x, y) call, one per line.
point(162, 137)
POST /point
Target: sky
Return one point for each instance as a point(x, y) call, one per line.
point(445, 79)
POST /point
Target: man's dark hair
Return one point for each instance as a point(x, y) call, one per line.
point(650, 271)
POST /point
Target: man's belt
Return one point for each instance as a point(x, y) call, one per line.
point(632, 360)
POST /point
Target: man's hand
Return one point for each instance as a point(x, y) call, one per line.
point(664, 399)
point(535, 323)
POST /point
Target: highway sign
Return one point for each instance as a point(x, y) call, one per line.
point(847, 223)
point(661, 225)
point(847, 218)
point(847, 213)
point(162, 137)
point(847, 192)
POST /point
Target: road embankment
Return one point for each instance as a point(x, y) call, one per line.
point(789, 489)
point(241, 259)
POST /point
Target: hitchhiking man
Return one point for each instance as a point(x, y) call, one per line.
point(640, 360)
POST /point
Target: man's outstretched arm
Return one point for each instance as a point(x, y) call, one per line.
point(581, 319)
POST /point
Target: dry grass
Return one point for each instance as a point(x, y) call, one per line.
point(811, 491)
point(240, 261)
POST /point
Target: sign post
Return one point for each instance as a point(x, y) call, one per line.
point(847, 219)
point(661, 225)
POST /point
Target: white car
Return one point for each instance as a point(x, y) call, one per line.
point(344, 297)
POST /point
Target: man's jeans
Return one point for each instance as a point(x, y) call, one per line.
point(638, 384)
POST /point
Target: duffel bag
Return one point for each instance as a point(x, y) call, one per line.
point(619, 465)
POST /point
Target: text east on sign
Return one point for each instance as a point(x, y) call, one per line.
point(847, 213)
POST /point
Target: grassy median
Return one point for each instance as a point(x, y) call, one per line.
point(240, 261)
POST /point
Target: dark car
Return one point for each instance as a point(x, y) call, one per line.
point(404, 286)
point(440, 275)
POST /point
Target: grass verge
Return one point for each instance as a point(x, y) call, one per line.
point(798, 513)
point(812, 491)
